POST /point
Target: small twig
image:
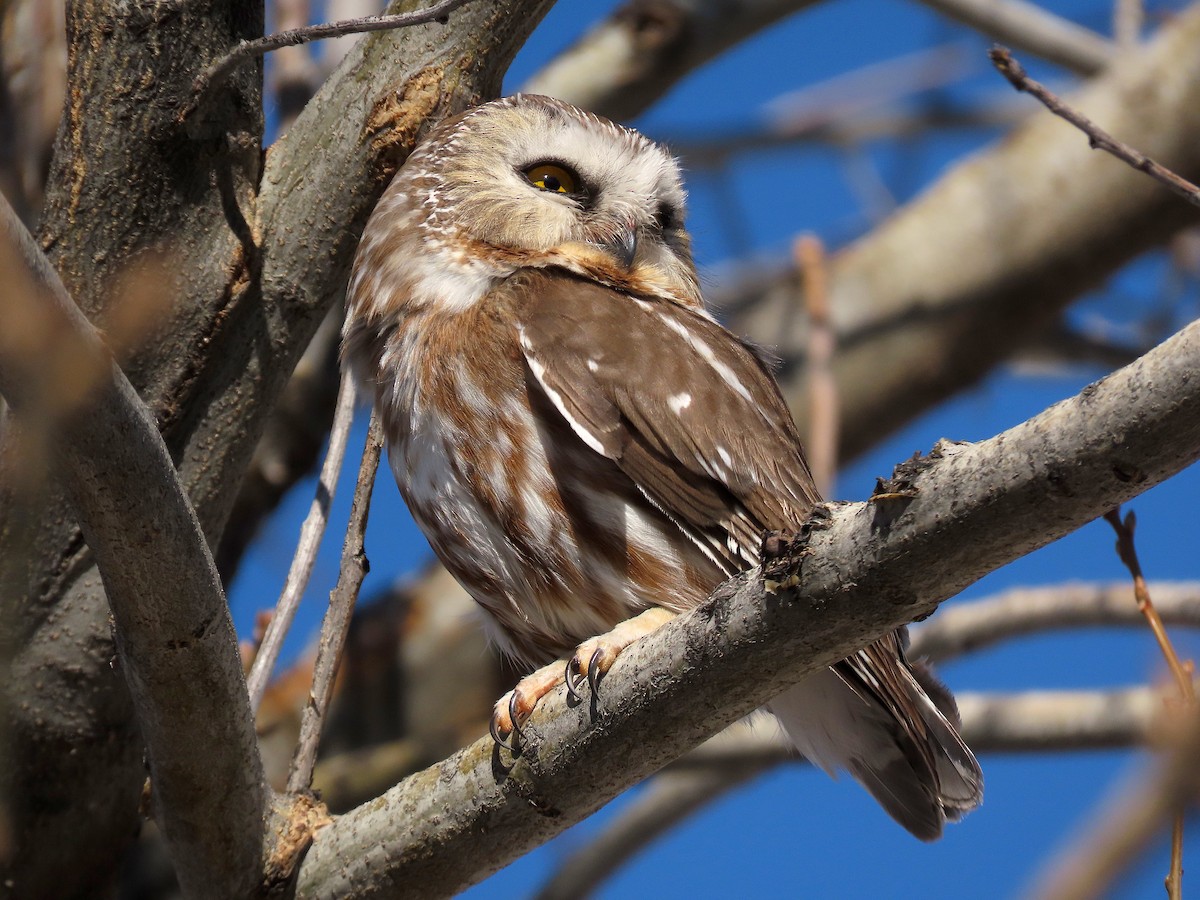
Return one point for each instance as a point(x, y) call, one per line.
point(1127, 551)
point(1098, 138)
point(1128, 554)
point(823, 428)
point(337, 618)
point(311, 533)
point(216, 74)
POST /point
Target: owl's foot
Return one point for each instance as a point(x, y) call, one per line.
point(514, 708)
point(590, 661)
point(594, 657)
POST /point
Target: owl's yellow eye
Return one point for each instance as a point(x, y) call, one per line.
point(552, 178)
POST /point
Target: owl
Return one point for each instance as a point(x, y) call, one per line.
point(586, 449)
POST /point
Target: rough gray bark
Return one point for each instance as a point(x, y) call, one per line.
point(176, 647)
point(257, 251)
point(868, 568)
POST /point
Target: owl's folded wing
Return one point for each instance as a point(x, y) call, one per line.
point(687, 410)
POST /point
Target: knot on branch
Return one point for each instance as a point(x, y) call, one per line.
point(782, 552)
point(296, 823)
point(395, 121)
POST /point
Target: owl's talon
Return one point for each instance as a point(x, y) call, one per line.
point(573, 680)
point(494, 728)
point(595, 671)
point(514, 714)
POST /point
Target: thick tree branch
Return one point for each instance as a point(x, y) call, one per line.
point(1033, 29)
point(869, 568)
point(626, 63)
point(967, 627)
point(981, 263)
point(255, 263)
point(175, 641)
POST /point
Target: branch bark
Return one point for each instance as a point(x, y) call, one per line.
point(968, 627)
point(256, 263)
point(981, 263)
point(629, 61)
point(176, 646)
point(870, 568)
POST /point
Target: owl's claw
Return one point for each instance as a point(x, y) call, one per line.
point(589, 663)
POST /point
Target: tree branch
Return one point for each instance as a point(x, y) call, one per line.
point(1034, 721)
point(623, 65)
point(979, 264)
point(305, 558)
point(1035, 30)
point(967, 627)
point(175, 641)
point(865, 570)
point(337, 617)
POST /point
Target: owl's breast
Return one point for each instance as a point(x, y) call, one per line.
point(550, 538)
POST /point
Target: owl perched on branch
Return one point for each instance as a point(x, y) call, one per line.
point(587, 450)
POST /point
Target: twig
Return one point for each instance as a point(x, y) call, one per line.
point(216, 74)
point(1127, 551)
point(1098, 138)
point(822, 387)
point(311, 533)
point(337, 619)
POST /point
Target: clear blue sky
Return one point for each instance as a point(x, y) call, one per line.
point(797, 833)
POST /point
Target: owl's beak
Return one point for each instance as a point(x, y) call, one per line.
point(621, 246)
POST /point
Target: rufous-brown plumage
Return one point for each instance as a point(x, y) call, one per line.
point(584, 446)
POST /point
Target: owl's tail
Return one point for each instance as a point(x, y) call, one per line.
point(894, 728)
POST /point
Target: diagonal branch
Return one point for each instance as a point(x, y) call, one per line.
point(868, 568)
point(1098, 138)
point(175, 642)
point(216, 74)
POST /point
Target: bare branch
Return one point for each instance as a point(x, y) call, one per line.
point(967, 627)
point(175, 642)
point(1033, 721)
point(216, 74)
point(1033, 29)
point(1098, 138)
point(626, 63)
point(337, 618)
point(311, 533)
point(979, 264)
point(866, 569)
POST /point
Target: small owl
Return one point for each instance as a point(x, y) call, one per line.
point(587, 450)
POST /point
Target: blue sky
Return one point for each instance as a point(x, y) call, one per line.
point(797, 832)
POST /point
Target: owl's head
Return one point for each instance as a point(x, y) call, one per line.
point(529, 181)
